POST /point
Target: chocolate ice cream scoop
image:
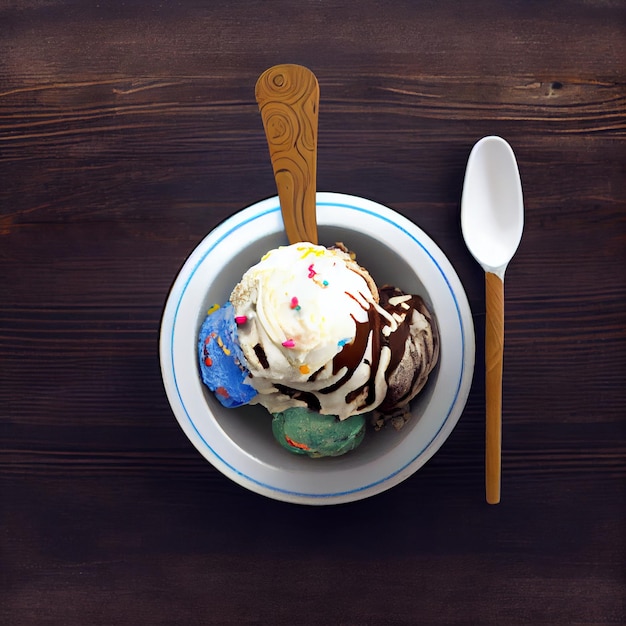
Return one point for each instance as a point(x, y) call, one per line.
point(414, 349)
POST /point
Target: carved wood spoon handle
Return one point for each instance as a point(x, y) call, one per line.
point(288, 98)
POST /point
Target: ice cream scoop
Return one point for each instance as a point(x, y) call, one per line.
point(302, 431)
point(221, 361)
point(304, 305)
point(413, 345)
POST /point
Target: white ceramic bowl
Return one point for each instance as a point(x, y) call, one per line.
point(239, 442)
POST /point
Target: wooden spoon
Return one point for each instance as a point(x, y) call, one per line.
point(288, 98)
point(492, 220)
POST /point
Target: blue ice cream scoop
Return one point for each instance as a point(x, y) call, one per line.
point(302, 431)
point(222, 364)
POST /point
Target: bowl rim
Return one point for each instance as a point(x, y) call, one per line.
point(343, 202)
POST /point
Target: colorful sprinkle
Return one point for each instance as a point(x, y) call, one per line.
point(208, 362)
point(289, 343)
point(295, 444)
point(313, 274)
point(220, 343)
point(294, 304)
point(308, 250)
point(304, 369)
point(213, 309)
point(240, 319)
point(222, 392)
point(343, 342)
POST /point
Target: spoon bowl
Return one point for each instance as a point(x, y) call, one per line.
point(492, 221)
point(492, 206)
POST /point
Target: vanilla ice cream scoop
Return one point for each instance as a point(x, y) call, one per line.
point(296, 310)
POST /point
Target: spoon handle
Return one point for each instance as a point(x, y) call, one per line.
point(288, 98)
point(494, 350)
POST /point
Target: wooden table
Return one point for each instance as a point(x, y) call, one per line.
point(128, 130)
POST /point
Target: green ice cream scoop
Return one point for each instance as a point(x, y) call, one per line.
point(306, 432)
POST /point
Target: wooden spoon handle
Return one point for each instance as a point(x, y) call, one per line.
point(288, 98)
point(494, 351)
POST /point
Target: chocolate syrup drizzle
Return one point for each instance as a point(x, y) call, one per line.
point(353, 354)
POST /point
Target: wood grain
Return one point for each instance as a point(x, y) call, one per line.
point(127, 132)
point(494, 355)
point(288, 98)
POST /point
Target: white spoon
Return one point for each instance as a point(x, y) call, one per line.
point(492, 220)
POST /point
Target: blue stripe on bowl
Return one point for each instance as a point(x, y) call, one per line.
point(332, 494)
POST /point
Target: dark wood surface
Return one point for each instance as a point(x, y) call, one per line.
point(128, 130)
